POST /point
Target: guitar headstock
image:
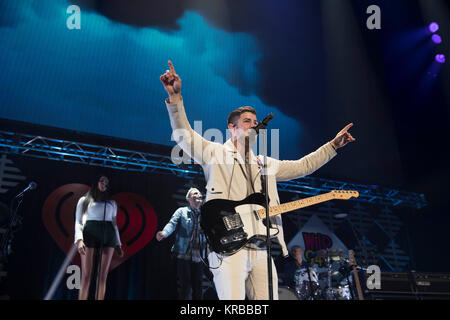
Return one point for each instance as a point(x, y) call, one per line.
point(351, 257)
point(345, 194)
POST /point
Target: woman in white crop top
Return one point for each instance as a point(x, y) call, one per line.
point(96, 226)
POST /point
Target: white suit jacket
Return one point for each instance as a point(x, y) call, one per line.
point(218, 163)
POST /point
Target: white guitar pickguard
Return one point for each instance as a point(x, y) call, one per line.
point(253, 225)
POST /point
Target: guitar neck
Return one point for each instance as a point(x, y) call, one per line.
point(294, 205)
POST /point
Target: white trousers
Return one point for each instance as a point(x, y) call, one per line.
point(244, 272)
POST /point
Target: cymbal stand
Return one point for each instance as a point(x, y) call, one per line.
point(329, 291)
point(347, 273)
point(310, 282)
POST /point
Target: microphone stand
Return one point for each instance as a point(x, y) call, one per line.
point(12, 222)
point(266, 194)
point(100, 253)
point(5, 249)
point(329, 287)
point(350, 287)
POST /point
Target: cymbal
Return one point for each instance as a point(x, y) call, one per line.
point(337, 258)
point(324, 253)
point(325, 274)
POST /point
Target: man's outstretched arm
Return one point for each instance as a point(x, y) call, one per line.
point(190, 141)
point(288, 170)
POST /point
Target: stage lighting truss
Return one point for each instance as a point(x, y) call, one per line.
point(128, 160)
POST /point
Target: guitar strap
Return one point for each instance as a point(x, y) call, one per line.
point(250, 186)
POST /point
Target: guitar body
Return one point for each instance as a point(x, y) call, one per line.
point(230, 225)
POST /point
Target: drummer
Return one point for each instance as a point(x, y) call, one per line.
point(295, 261)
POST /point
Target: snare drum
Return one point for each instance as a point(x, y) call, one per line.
point(301, 275)
point(303, 284)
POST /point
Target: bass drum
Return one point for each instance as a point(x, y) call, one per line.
point(286, 293)
point(339, 293)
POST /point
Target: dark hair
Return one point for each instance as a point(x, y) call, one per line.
point(235, 114)
point(94, 194)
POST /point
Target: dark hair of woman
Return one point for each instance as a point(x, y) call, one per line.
point(94, 194)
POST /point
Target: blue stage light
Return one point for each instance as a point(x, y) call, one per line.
point(440, 58)
point(436, 38)
point(433, 27)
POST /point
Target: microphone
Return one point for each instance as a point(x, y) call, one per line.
point(31, 186)
point(263, 124)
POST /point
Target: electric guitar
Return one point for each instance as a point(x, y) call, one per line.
point(231, 225)
point(351, 255)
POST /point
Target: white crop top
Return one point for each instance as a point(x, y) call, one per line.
point(95, 211)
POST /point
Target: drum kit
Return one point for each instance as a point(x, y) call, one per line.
point(333, 284)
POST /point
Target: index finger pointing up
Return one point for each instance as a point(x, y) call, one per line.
point(171, 66)
point(347, 127)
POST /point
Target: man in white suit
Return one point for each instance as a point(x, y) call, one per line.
point(233, 172)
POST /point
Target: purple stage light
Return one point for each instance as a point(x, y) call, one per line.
point(433, 27)
point(436, 38)
point(440, 58)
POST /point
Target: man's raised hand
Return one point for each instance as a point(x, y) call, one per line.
point(172, 84)
point(343, 137)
